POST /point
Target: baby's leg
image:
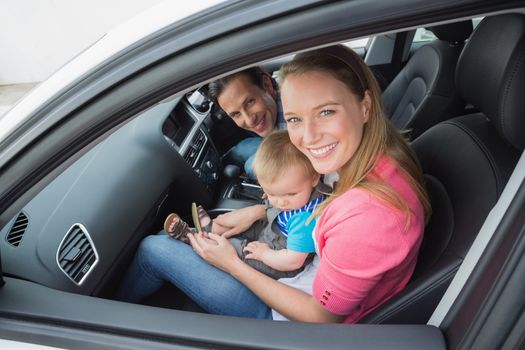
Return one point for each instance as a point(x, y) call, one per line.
point(264, 234)
point(207, 224)
point(218, 229)
point(176, 228)
point(203, 219)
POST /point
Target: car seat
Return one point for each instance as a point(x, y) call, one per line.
point(467, 161)
point(423, 93)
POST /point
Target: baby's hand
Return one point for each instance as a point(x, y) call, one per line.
point(256, 250)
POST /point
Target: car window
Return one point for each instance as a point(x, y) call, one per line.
point(475, 21)
point(423, 35)
point(359, 45)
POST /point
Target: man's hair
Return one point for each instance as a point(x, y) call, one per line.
point(276, 154)
point(255, 74)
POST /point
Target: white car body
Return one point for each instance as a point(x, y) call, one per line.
point(109, 45)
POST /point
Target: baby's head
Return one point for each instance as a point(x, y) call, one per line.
point(285, 174)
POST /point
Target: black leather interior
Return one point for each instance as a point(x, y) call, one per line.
point(467, 161)
point(424, 93)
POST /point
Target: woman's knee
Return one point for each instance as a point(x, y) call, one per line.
point(150, 244)
point(161, 249)
point(152, 248)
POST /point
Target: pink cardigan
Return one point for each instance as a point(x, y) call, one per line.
point(367, 251)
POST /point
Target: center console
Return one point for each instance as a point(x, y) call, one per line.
point(245, 191)
point(204, 159)
point(186, 131)
point(237, 191)
point(240, 187)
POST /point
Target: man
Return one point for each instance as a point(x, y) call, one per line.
point(251, 99)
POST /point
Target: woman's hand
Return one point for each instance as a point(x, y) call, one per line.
point(216, 250)
point(240, 220)
point(294, 304)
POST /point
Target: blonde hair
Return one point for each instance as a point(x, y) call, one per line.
point(277, 153)
point(380, 136)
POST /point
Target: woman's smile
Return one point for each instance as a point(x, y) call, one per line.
point(322, 151)
point(325, 119)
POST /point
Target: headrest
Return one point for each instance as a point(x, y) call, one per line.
point(491, 74)
point(453, 32)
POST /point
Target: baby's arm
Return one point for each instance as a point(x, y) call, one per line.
point(282, 260)
point(237, 221)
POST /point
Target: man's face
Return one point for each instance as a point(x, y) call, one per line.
point(251, 107)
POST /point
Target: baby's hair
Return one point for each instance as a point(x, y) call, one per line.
point(277, 153)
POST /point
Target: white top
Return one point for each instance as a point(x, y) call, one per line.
point(304, 280)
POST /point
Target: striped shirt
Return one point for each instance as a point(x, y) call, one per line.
point(283, 217)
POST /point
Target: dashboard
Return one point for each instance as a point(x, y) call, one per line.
point(79, 233)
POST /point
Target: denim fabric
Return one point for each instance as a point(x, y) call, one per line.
point(248, 168)
point(161, 258)
point(243, 153)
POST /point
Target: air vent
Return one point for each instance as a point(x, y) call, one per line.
point(199, 140)
point(17, 230)
point(76, 255)
point(195, 148)
point(191, 155)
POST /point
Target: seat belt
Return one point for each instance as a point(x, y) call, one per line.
point(399, 50)
point(480, 243)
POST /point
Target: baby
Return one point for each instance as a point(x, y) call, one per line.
point(280, 246)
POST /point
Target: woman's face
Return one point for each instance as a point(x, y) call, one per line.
point(325, 119)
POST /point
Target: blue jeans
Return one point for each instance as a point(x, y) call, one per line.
point(243, 154)
point(161, 258)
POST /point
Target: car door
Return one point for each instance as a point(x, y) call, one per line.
point(217, 42)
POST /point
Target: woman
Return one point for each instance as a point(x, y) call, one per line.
point(368, 232)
